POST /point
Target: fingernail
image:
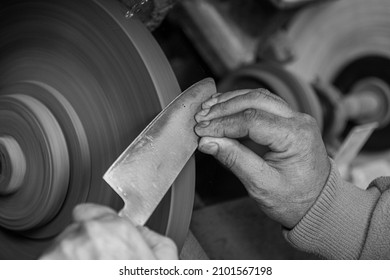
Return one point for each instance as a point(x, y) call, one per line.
point(204, 124)
point(216, 95)
point(209, 103)
point(210, 147)
point(204, 112)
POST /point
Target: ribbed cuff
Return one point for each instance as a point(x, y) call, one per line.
point(336, 225)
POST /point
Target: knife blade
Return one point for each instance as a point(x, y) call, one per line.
point(144, 172)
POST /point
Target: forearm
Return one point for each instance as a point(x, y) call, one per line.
point(338, 224)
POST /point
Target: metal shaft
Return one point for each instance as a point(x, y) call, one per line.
point(369, 101)
point(12, 165)
point(361, 105)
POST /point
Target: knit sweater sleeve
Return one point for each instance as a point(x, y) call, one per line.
point(346, 222)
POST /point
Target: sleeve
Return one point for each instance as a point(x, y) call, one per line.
point(346, 222)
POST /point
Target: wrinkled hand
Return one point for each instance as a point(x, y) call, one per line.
point(287, 180)
point(99, 233)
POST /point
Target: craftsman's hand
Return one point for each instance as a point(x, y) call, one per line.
point(287, 180)
point(99, 233)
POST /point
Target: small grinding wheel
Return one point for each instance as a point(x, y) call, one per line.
point(78, 82)
point(345, 43)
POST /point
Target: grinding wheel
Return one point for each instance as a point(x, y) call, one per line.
point(78, 82)
point(344, 43)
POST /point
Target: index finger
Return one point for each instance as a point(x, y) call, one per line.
point(259, 99)
point(263, 128)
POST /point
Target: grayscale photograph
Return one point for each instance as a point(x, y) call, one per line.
point(190, 130)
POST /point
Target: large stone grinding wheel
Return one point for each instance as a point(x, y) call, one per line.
point(78, 82)
point(345, 43)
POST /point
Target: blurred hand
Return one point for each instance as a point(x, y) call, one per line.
point(287, 180)
point(99, 233)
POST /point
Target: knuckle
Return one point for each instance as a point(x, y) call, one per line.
point(254, 95)
point(219, 128)
point(264, 91)
point(288, 138)
point(250, 115)
point(308, 128)
point(308, 119)
point(260, 93)
point(222, 107)
point(310, 123)
point(224, 126)
point(230, 159)
point(277, 100)
point(266, 95)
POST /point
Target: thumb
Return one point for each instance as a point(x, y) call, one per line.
point(229, 152)
point(243, 162)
